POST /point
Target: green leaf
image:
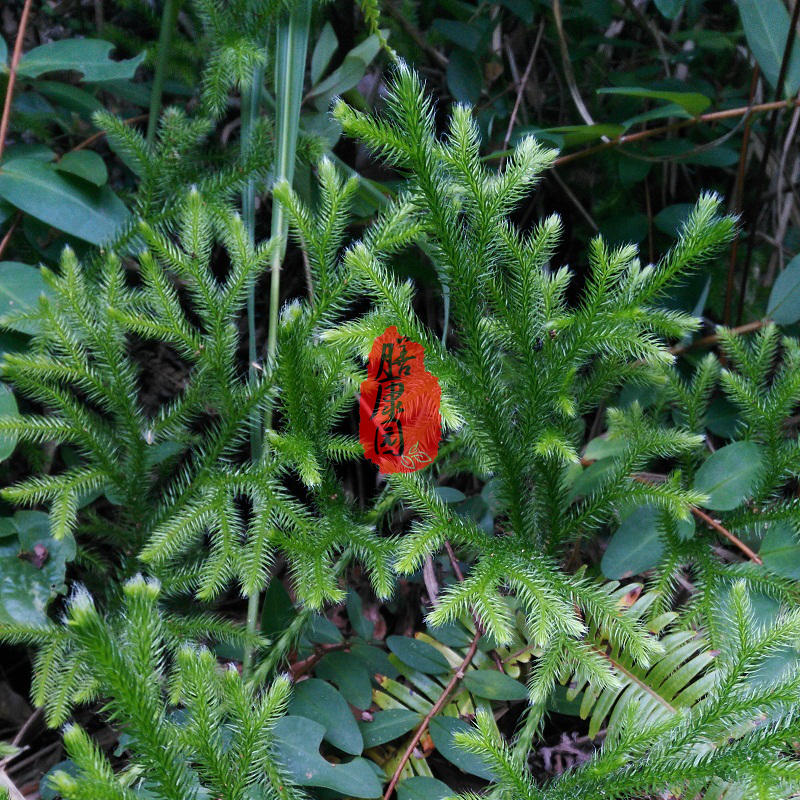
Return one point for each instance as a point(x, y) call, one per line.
point(573, 135)
point(94, 215)
point(602, 447)
point(315, 699)
point(349, 73)
point(418, 655)
point(326, 46)
point(322, 631)
point(693, 103)
point(784, 299)
point(670, 219)
point(3, 52)
point(21, 286)
point(277, 610)
point(88, 56)
point(729, 476)
point(70, 97)
point(355, 613)
point(464, 78)
point(447, 494)
point(388, 725)
point(350, 675)
point(780, 550)
point(32, 567)
point(85, 164)
point(296, 745)
point(442, 730)
point(421, 787)
point(8, 408)
point(636, 545)
point(590, 479)
point(766, 27)
point(494, 685)
point(376, 661)
point(670, 8)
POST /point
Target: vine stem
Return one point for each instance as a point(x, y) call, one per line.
point(712, 116)
point(168, 21)
point(719, 528)
point(12, 74)
point(437, 707)
point(290, 59)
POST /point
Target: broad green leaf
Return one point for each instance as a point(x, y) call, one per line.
point(766, 26)
point(349, 675)
point(468, 35)
point(447, 494)
point(386, 726)
point(3, 52)
point(780, 550)
point(85, 164)
point(442, 730)
point(87, 56)
point(277, 610)
point(784, 299)
point(452, 634)
point(94, 215)
point(322, 631)
point(603, 447)
point(296, 742)
point(573, 135)
point(494, 685)
point(662, 112)
point(635, 546)
point(349, 73)
point(693, 103)
point(32, 567)
point(464, 77)
point(418, 655)
point(670, 8)
point(722, 418)
point(376, 661)
point(21, 286)
point(70, 97)
point(591, 478)
point(355, 613)
point(730, 475)
point(8, 408)
point(421, 787)
point(670, 219)
point(317, 700)
point(324, 49)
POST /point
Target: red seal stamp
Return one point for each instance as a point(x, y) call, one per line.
point(400, 426)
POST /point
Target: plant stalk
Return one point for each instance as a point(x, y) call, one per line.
point(290, 60)
point(168, 22)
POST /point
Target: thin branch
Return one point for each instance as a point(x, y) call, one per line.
point(712, 116)
point(712, 523)
point(713, 338)
point(521, 87)
point(10, 233)
point(12, 74)
point(437, 707)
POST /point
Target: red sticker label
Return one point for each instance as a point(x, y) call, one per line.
point(400, 426)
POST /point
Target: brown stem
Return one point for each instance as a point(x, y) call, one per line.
point(437, 707)
point(100, 134)
point(713, 116)
point(737, 199)
point(521, 88)
point(755, 207)
point(12, 74)
point(10, 233)
point(712, 523)
point(713, 338)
